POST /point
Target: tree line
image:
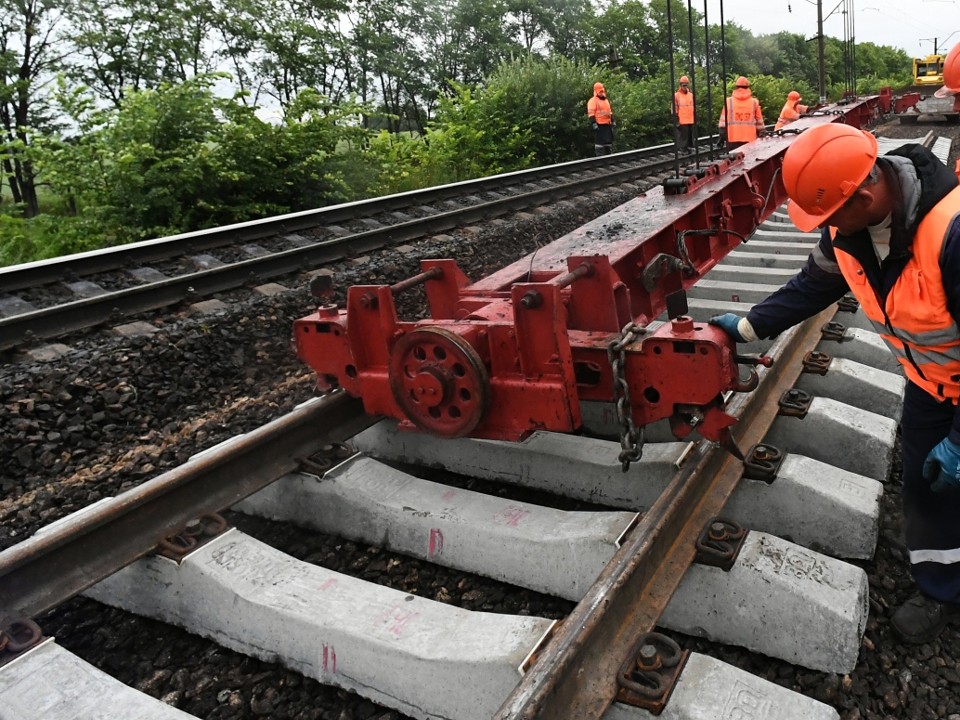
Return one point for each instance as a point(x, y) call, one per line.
point(127, 119)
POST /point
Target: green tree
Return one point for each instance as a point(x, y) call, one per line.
point(129, 45)
point(624, 38)
point(546, 100)
point(389, 69)
point(298, 45)
point(31, 48)
point(181, 158)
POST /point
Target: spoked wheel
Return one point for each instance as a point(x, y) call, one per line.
point(439, 381)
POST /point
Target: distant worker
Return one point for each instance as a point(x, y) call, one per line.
point(683, 116)
point(792, 110)
point(951, 84)
point(601, 118)
point(746, 118)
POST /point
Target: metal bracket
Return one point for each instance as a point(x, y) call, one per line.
point(763, 463)
point(325, 459)
point(19, 635)
point(191, 536)
point(795, 403)
point(848, 303)
point(719, 543)
point(661, 265)
point(833, 331)
point(816, 362)
point(650, 672)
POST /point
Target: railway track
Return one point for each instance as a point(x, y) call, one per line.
point(51, 298)
point(626, 563)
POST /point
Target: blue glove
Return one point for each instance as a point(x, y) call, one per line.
point(595, 126)
point(942, 466)
point(728, 322)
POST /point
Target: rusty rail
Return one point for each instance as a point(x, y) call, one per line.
point(575, 673)
point(68, 557)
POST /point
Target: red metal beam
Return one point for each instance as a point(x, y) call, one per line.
point(517, 351)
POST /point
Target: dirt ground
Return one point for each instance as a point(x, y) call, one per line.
point(893, 129)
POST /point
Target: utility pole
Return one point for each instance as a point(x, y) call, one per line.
point(934, 40)
point(820, 57)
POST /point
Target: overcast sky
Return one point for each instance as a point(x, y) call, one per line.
point(908, 24)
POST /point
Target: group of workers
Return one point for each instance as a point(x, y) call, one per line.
point(889, 233)
point(741, 119)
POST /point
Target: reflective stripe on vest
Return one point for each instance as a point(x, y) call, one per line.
point(924, 338)
point(683, 107)
point(741, 119)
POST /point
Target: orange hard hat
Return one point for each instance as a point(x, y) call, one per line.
point(742, 82)
point(951, 73)
point(684, 79)
point(793, 95)
point(597, 87)
point(821, 170)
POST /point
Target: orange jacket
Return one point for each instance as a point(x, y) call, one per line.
point(792, 110)
point(599, 109)
point(921, 332)
point(746, 117)
point(683, 107)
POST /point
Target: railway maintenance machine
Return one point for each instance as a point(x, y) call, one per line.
point(573, 322)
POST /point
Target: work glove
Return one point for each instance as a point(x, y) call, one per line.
point(722, 134)
point(728, 322)
point(595, 126)
point(942, 466)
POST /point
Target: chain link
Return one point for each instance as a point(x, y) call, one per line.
point(631, 437)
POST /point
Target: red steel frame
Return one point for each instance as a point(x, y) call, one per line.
point(518, 351)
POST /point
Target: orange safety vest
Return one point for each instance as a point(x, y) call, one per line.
point(791, 111)
point(915, 321)
point(746, 120)
point(683, 107)
point(600, 110)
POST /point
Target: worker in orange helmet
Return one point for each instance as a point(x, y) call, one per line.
point(951, 84)
point(741, 119)
point(792, 110)
point(683, 117)
point(600, 114)
point(890, 234)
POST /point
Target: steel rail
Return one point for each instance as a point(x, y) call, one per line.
point(40, 272)
point(575, 673)
point(66, 558)
point(58, 320)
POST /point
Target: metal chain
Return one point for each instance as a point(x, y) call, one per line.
point(631, 437)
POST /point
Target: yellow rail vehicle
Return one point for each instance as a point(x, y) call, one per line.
point(928, 72)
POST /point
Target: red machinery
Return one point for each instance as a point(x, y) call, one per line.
point(519, 350)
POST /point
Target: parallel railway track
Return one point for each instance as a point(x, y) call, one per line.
point(51, 298)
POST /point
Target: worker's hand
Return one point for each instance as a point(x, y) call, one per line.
point(722, 133)
point(728, 322)
point(942, 466)
point(595, 126)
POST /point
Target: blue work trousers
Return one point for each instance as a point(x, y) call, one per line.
point(931, 519)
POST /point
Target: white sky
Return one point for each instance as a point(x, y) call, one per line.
point(908, 24)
